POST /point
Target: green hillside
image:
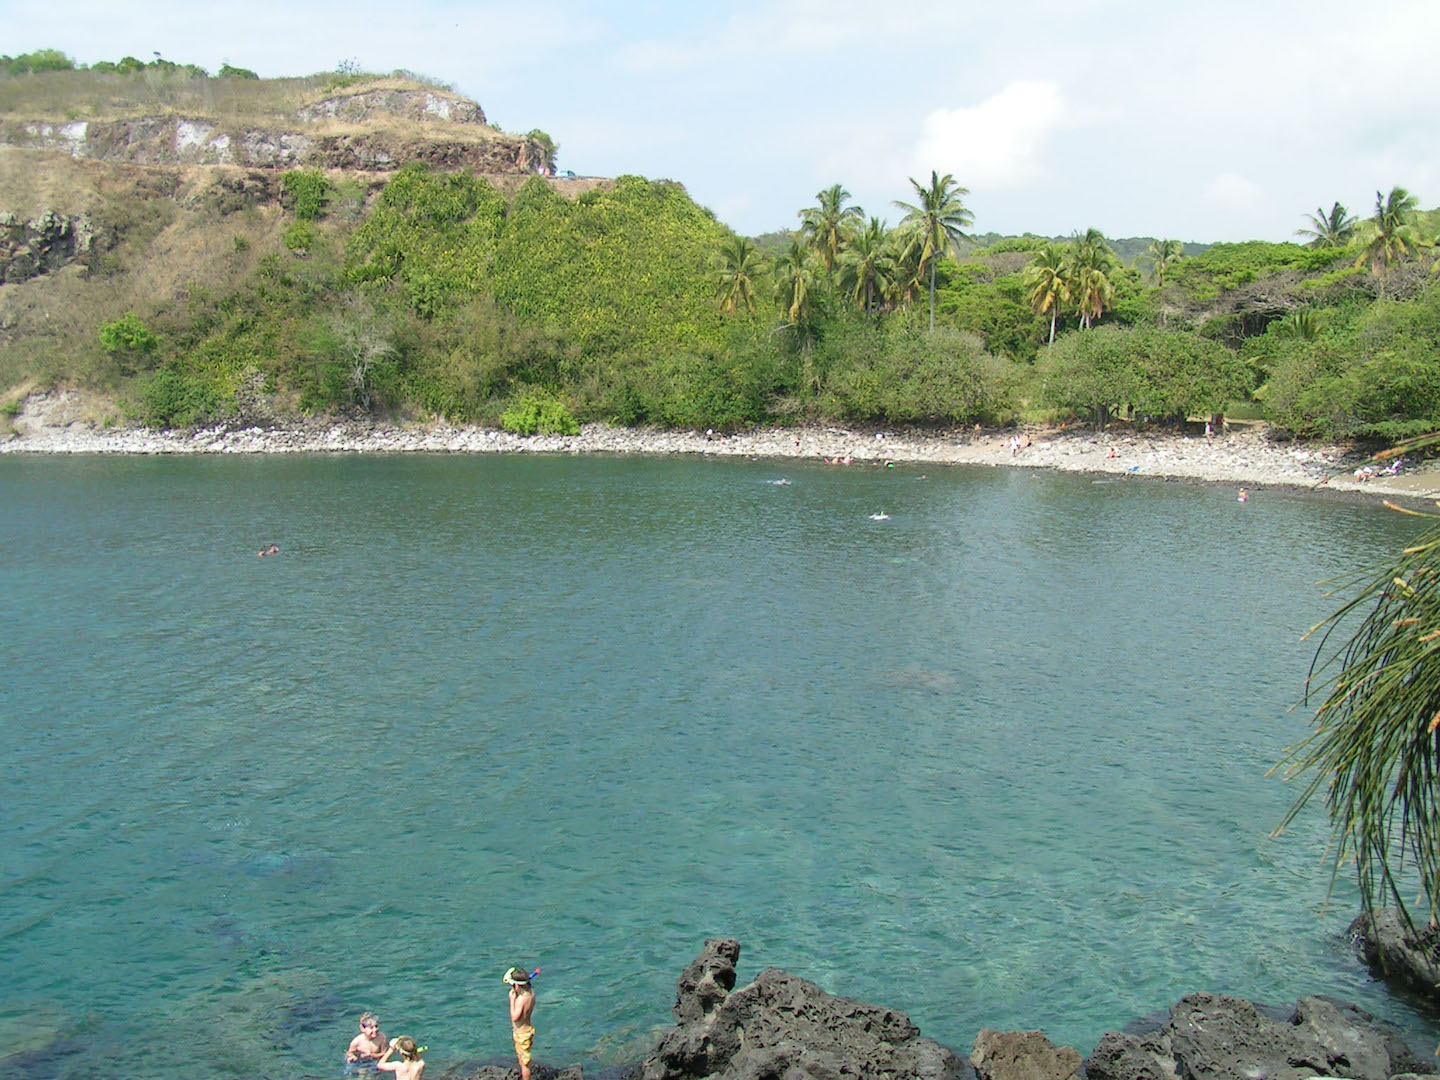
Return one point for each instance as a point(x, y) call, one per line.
point(201, 249)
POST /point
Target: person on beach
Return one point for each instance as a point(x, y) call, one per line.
point(370, 1043)
point(522, 1007)
point(410, 1066)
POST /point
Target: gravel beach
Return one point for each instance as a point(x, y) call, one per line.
point(58, 423)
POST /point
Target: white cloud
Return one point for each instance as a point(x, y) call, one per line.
point(999, 143)
point(1234, 194)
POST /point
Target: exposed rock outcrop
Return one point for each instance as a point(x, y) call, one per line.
point(447, 131)
point(782, 1026)
point(43, 244)
point(1215, 1037)
point(1022, 1055)
point(1406, 955)
point(419, 105)
point(537, 1072)
point(175, 140)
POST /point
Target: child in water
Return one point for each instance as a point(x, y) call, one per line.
point(370, 1043)
point(522, 1006)
point(410, 1066)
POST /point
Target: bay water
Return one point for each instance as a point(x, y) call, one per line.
point(996, 760)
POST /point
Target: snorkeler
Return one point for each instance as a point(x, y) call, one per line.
point(410, 1066)
point(370, 1043)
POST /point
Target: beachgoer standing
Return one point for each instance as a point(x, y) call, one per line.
point(522, 1006)
point(410, 1066)
point(370, 1043)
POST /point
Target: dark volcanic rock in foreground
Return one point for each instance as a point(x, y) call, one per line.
point(1214, 1037)
point(784, 1026)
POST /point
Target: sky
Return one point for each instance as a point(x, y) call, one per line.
point(1215, 121)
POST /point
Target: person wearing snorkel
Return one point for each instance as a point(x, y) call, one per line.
point(522, 1006)
point(411, 1065)
point(370, 1043)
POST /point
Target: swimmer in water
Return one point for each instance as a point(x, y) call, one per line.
point(410, 1066)
point(1244, 496)
point(370, 1043)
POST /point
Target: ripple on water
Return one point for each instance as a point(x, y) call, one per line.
point(1005, 753)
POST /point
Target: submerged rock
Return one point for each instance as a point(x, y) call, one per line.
point(782, 1026)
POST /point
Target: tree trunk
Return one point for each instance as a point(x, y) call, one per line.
point(1052, 326)
point(932, 294)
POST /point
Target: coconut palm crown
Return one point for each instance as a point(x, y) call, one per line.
point(936, 222)
point(830, 224)
point(1333, 229)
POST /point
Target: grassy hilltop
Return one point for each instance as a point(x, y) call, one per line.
point(197, 249)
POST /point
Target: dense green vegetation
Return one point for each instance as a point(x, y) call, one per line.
point(439, 295)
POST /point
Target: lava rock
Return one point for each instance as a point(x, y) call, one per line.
point(782, 1027)
point(1216, 1037)
point(1021, 1055)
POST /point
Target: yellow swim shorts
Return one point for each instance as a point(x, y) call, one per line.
point(524, 1037)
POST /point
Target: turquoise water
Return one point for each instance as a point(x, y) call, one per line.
point(995, 761)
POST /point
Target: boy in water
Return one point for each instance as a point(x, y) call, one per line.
point(522, 1006)
point(370, 1043)
point(410, 1066)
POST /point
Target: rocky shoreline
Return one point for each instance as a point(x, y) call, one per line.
point(783, 1027)
point(60, 423)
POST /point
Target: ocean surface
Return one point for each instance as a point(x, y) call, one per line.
point(998, 760)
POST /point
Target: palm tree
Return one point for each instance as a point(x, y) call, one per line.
point(1375, 751)
point(793, 278)
point(1091, 261)
point(937, 223)
point(740, 265)
point(1394, 236)
point(1046, 278)
point(1335, 229)
point(1162, 255)
point(1302, 325)
point(907, 278)
point(830, 224)
point(867, 266)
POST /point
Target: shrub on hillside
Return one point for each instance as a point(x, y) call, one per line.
point(539, 413)
point(129, 341)
point(906, 374)
point(306, 192)
point(178, 399)
point(1161, 373)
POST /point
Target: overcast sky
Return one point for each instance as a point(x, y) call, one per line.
point(1223, 120)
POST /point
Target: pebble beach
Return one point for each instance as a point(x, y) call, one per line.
point(1245, 455)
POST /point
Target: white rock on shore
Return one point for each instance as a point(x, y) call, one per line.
point(54, 424)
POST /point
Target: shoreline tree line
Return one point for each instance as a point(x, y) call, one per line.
point(438, 295)
point(634, 305)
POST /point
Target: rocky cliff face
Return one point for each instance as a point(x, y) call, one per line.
point(447, 131)
point(44, 244)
